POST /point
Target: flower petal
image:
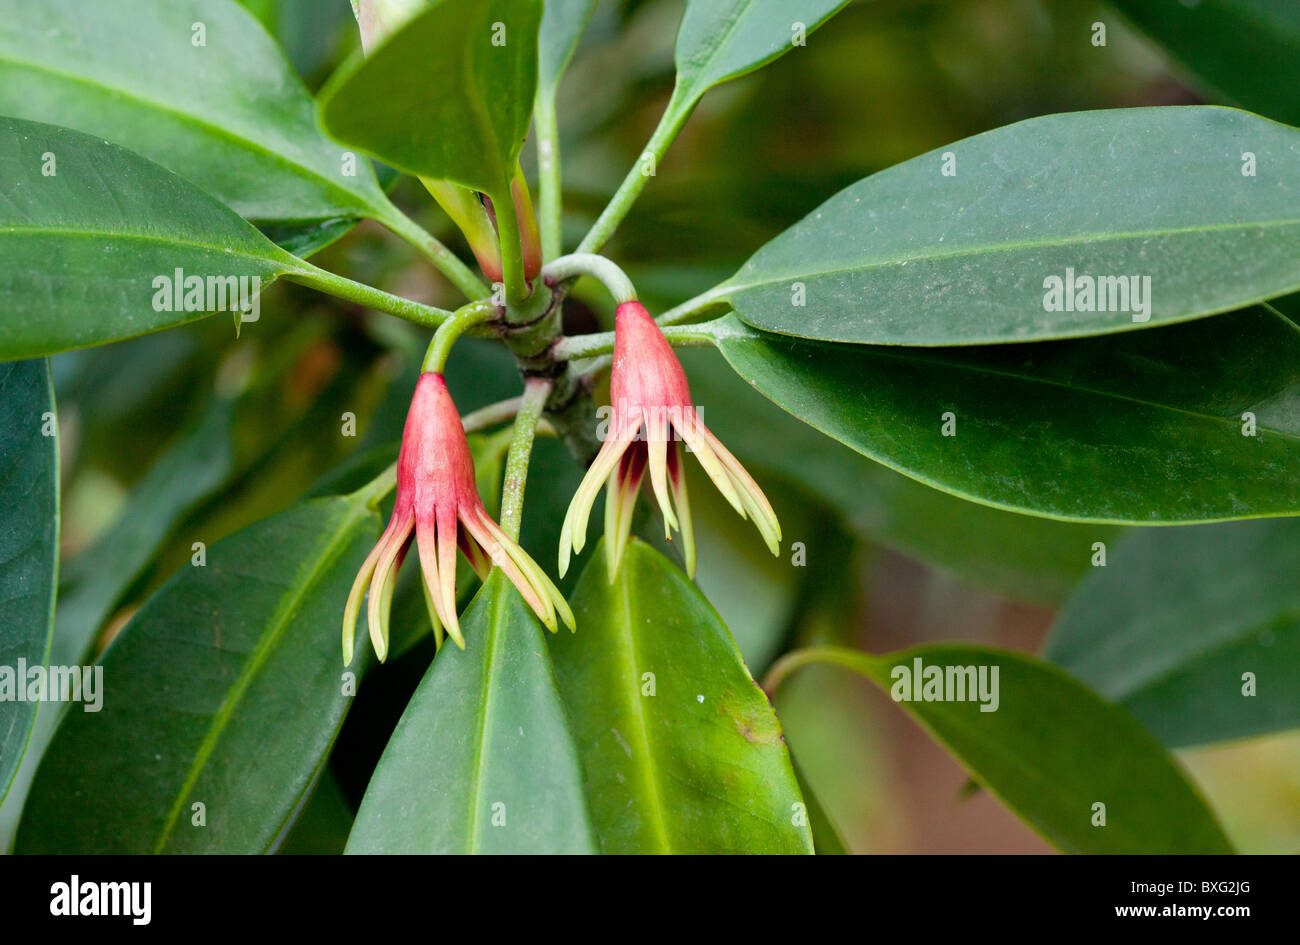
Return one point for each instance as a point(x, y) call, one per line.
point(677, 477)
point(573, 535)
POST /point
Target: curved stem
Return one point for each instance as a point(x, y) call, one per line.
point(680, 313)
point(464, 318)
point(796, 659)
point(491, 415)
point(589, 264)
point(531, 405)
point(590, 346)
point(550, 206)
point(344, 288)
point(675, 115)
point(443, 259)
point(512, 253)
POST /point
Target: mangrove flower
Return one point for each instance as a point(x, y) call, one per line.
point(438, 505)
point(649, 402)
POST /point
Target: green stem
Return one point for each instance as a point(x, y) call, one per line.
point(675, 115)
point(550, 200)
point(512, 255)
point(464, 318)
point(715, 296)
point(443, 259)
point(368, 296)
point(491, 415)
point(589, 264)
point(373, 492)
point(796, 659)
point(531, 405)
point(590, 346)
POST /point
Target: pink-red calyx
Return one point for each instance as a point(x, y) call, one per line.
point(438, 507)
point(650, 412)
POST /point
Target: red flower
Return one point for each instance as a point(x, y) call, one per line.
point(438, 501)
point(650, 401)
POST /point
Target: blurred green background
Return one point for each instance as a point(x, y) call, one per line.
point(889, 562)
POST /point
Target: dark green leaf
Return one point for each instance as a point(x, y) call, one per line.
point(680, 748)
point(448, 96)
point(1051, 749)
point(224, 690)
point(722, 39)
point(29, 545)
point(563, 22)
point(1247, 49)
point(913, 256)
point(80, 249)
point(96, 579)
point(1145, 427)
point(482, 760)
point(1019, 556)
point(229, 115)
point(1177, 617)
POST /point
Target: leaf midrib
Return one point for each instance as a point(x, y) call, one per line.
point(988, 248)
point(279, 622)
point(357, 202)
point(489, 668)
point(628, 652)
point(899, 355)
point(224, 250)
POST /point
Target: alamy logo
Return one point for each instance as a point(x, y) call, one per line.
point(102, 899)
point(921, 683)
point(1084, 293)
point(37, 683)
point(181, 293)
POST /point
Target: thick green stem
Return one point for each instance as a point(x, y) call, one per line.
point(675, 115)
point(691, 307)
point(531, 405)
point(550, 199)
point(464, 318)
point(512, 256)
point(368, 296)
point(589, 264)
point(443, 259)
point(593, 345)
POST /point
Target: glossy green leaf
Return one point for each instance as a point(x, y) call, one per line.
point(29, 545)
point(1019, 556)
point(681, 750)
point(448, 96)
point(220, 106)
point(723, 39)
point(1152, 198)
point(224, 690)
point(1178, 616)
point(80, 249)
point(1145, 427)
point(1248, 50)
point(1051, 749)
point(482, 760)
point(563, 22)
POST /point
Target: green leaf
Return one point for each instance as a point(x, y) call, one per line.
point(1144, 427)
point(563, 23)
point(29, 544)
point(681, 750)
point(1178, 615)
point(96, 579)
point(80, 249)
point(1018, 556)
point(912, 256)
point(1051, 750)
point(482, 760)
point(448, 96)
point(1249, 50)
point(724, 39)
point(224, 690)
point(229, 115)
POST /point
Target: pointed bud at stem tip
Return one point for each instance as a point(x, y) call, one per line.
point(651, 413)
point(437, 507)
